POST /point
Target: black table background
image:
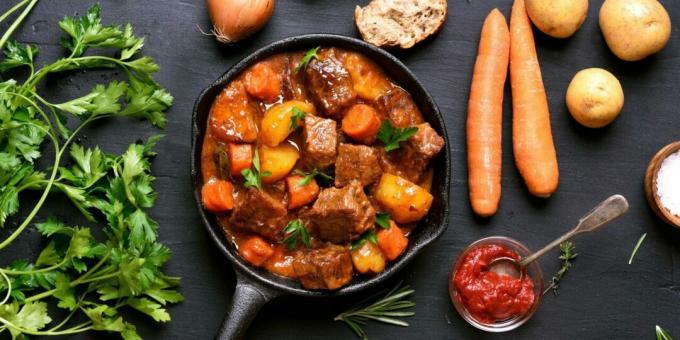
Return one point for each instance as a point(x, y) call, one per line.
point(602, 297)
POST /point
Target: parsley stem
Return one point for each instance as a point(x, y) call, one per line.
point(26, 272)
point(77, 329)
point(16, 23)
point(96, 278)
point(13, 9)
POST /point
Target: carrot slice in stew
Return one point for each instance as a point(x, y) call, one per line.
point(300, 195)
point(217, 196)
point(392, 241)
point(240, 158)
point(361, 123)
point(263, 83)
point(255, 250)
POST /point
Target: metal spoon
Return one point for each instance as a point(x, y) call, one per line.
point(607, 211)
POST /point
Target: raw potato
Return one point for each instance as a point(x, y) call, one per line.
point(557, 18)
point(276, 121)
point(594, 97)
point(368, 259)
point(405, 201)
point(635, 29)
point(279, 160)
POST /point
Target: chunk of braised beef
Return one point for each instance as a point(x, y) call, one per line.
point(356, 163)
point(341, 215)
point(427, 142)
point(233, 115)
point(320, 141)
point(330, 86)
point(404, 162)
point(293, 84)
point(329, 267)
point(398, 106)
point(258, 212)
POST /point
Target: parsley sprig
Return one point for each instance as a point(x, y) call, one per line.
point(293, 231)
point(391, 136)
point(567, 254)
point(387, 308)
point(309, 55)
point(383, 220)
point(253, 176)
point(295, 119)
point(365, 237)
point(95, 278)
point(309, 176)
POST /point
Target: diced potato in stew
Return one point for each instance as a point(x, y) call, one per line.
point(282, 119)
point(406, 202)
point(294, 172)
point(277, 161)
point(368, 259)
point(369, 81)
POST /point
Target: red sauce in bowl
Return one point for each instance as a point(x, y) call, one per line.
point(487, 296)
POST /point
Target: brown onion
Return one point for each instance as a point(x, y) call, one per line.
point(234, 20)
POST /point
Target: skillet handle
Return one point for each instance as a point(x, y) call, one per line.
point(248, 298)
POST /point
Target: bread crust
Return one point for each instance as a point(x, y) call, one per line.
point(403, 23)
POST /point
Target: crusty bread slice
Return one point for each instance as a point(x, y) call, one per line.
point(402, 23)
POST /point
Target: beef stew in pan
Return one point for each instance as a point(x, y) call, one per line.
point(317, 166)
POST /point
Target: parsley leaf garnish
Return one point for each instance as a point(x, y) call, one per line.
point(293, 231)
point(309, 55)
point(252, 176)
point(391, 136)
point(308, 176)
point(295, 119)
point(365, 237)
point(383, 220)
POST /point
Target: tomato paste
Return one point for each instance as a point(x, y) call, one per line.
point(490, 297)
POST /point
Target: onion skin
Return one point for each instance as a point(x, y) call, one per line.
point(235, 20)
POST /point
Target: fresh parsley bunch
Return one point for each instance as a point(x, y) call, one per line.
point(92, 279)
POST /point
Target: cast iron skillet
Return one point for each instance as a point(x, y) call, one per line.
point(255, 286)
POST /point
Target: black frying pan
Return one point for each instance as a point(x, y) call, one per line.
point(255, 286)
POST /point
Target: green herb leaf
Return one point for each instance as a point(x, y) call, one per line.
point(637, 247)
point(293, 231)
point(17, 55)
point(391, 136)
point(662, 334)
point(383, 220)
point(295, 119)
point(365, 237)
point(308, 176)
point(309, 55)
point(252, 176)
point(567, 254)
point(386, 307)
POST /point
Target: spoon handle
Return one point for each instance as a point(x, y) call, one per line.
point(605, 212)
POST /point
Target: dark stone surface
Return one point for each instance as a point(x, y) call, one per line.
point(602, 297)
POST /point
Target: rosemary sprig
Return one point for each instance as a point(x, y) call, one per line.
point(387, 309)
point(661, 334)
point(637, 246)
point(567, 254)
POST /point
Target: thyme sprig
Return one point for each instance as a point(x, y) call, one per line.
point(567, 254)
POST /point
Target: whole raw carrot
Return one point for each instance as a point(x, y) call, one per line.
point(485, 115)
point(532, 139)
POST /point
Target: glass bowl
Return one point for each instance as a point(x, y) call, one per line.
point(533, 270)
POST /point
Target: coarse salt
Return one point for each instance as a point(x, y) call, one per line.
point(668, 183)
